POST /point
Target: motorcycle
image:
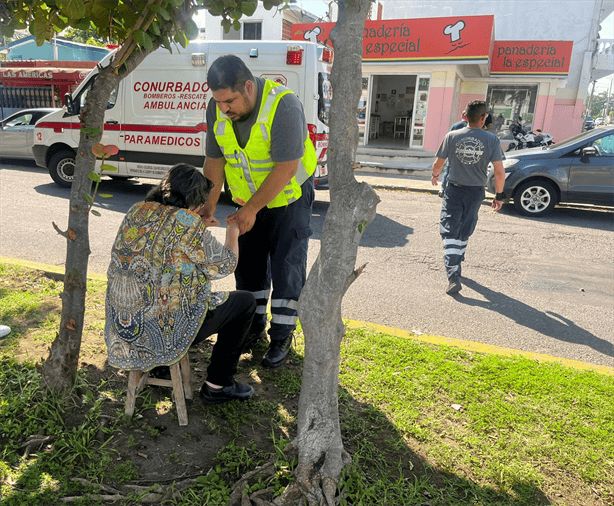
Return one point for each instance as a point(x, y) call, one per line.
point(523, 139)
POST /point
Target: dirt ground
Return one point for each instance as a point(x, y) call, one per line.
point(159, 447)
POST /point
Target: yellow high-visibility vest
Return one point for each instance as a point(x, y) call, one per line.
point(247, 168)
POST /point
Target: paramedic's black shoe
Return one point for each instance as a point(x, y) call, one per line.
point(454, 287)
point(236, 391)
point(252, 340)
point(277, 353)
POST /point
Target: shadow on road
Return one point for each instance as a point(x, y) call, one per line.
point(381, 233)
point(546, 323)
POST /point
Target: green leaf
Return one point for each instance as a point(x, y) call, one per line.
point(249, 7)
point(155, 28)
point(105, 167)
point(73, 9)
point(181, 39)
point(362, 225)
point(94, 176)
point(164, 14)
point(105, 195)
point(191, 29)
point(95, 213)
point(143, 39)
point(92, 132)
point(88, 198)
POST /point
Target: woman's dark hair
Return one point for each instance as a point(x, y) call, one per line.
point(183, 186)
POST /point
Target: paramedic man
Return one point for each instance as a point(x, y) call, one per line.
point(469, 151)
point(269, 169)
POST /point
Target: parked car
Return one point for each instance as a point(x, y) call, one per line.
point(17, 133)
point(579, 170)
point(589, 123)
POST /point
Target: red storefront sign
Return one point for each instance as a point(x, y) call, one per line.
point(543, 57)
point(427, 39)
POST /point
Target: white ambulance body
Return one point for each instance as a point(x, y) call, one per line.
point(157, 115)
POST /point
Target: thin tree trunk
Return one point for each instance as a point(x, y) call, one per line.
point(60, 368)
point(352, 207)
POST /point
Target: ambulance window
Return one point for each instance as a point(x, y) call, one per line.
point(86, 90)
point(325, 93)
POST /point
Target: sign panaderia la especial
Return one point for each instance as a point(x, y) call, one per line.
point(427, 39)
point(531, 57)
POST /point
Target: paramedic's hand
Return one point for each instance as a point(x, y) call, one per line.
point(206, 213)
point(208, 220)
point(245, 218)
point(496, 205)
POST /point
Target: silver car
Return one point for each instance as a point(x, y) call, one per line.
point(17, 133)
point(578, 170)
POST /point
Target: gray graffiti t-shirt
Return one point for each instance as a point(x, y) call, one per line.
point(469, 151)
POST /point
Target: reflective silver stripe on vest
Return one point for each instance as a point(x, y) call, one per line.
point(246, 174)
point(221, 127)
point(265, 134)
point(301, 173)
point(268, 103)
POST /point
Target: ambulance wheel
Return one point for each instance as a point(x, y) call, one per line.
point(62, 168)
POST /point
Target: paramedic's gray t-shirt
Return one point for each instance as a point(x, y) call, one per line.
point(469, 151)
point(288, 132)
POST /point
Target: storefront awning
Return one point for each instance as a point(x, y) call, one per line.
point(458, 40)
point(40, 76)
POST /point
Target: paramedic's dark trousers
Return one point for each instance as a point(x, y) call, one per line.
point(459, 216)
point(275, 250)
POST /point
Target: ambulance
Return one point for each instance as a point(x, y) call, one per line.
point(157, 114)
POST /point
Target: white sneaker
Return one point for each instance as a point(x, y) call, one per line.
point(4, 330)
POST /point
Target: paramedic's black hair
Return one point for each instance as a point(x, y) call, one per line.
point(229, 71)
point(183, 186)
point(475, 110)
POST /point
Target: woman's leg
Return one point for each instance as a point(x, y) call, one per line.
point(231, 321)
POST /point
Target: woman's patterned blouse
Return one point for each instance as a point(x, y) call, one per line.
point(159, 285)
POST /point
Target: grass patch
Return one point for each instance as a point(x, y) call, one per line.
point(424, 424)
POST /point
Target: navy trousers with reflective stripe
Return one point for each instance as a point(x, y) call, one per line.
point(459, 216)
point(275, 251)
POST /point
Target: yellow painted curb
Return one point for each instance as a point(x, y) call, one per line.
point(479, 347)
point(56, 269)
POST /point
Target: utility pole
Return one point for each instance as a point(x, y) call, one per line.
point(588, 107)
point(607, 103)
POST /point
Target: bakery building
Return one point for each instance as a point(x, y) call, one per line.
point(529, 65)
point(418, 75)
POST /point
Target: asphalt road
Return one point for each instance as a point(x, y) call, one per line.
point(544, 285)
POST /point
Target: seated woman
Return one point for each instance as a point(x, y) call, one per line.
point(159, 300)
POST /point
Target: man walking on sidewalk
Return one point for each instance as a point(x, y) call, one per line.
point(469, 151)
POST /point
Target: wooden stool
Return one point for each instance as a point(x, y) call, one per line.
point(180, 381)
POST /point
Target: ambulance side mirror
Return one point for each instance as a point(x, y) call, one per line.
point(68, 102)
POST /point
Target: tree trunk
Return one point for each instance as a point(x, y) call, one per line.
point(352, 207)
point(60, 368)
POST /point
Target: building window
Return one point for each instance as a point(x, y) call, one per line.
point(252, 31)
point(511, 104)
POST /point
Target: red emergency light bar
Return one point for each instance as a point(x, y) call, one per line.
point(294, 56)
